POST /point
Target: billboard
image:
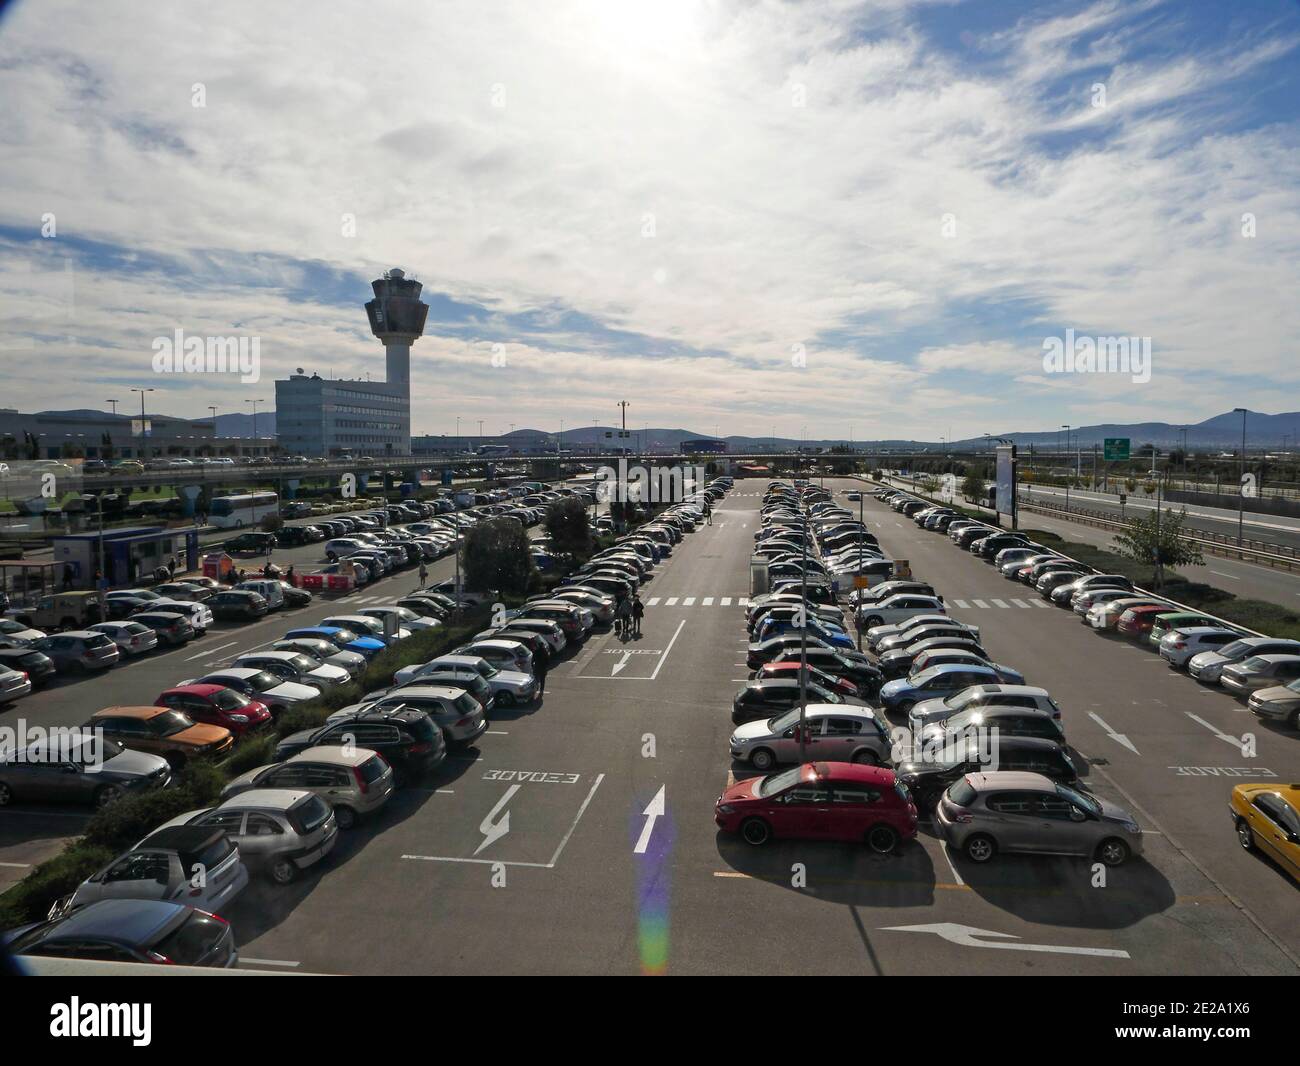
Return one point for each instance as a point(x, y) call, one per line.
point(1115, 449)
point(1006, 479)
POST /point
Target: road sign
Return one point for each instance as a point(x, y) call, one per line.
point(1116, 449)
point(861, 581)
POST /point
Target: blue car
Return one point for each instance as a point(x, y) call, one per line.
point(826, 632)
point(936, 683)
point(367, 646)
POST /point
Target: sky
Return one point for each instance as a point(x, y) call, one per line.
point(839, 219)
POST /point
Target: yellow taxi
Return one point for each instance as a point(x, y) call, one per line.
point(1267, 817)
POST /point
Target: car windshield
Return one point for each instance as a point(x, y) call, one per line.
point(229, 700)
point(169, 723)
point(1235, 650)
point(302, 662)
point(784, 721)
point(1085, 803)
point(774, 783)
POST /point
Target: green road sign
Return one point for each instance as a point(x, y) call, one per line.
point(1116, 449)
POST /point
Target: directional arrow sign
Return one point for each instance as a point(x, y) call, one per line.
point(654, 810)
point(618, 666)
point(493, 830)
point(965, 935)
point(1119, 738)
point(1234, 741)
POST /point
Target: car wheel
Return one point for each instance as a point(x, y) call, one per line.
point(882, 839)
point(332, 557)
point(6, 795)
point(345, 817)
point(756, 831)
point(1295, 720)
point(284, 871)
point(981, 847)
point(761, 759)
point(874, 620)
point(505, 699)
point(107, 795)
point(1245, 835)
point(1112, 851)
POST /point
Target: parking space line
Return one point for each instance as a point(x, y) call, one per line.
point(663, 658)
point(270, 962)
point(209, 651)
point(585, 803)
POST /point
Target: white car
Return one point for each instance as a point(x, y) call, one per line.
point(199, 614)
point(1179, 645)
point(14, 685)
point(17, 634)
point(506, 654)
point(898, 608)
point(510, 688)
point(131, 638)
point(404, 617)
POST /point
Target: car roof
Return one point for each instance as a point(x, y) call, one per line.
point(135, 921)
point(845, 771)
point(189, 838)
point(271, 798)
point(130, 712)
point(1013, 779)
point(270, 654)
point(200, 688)
point(336, 754)
point(416, 691)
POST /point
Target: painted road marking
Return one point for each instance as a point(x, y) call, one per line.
point(966, 935)
point(1022, 603)
point(1119, 738)
point(671, 601)
point(1234, 741)
point(652, 601)
point(209, 651)
point(979, 603)
point(725, 601)
point(689, 601)
point(1041, 603)
point(1001, 603)
point(961, 604)
point(708, 601)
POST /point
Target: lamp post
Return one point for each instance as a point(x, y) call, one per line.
point(143, 433)
point(255, 403)
point(1241, 488)
point(114, 403)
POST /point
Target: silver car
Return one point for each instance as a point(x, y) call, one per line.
point(1259, 671)
point(1013, 811)
point(279, 831)
point(510, 688)
point(458, 714)
point(835, 733)
point(14, 684)
point(1207, 667)
point(131, 638)
point(355, 783)
point(295, 666)
point(198, 865)
point(1179, 645)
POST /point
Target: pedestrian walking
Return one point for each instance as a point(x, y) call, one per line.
point(288, 574)
point(424, 575)
point(67, 575)
point(638, 609)
point(541, 664)
point(622, 615)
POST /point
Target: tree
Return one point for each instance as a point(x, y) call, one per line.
point(930, 485)
point(973, 487)
point(1157, 539)
point(569, 526)
point(496, 557)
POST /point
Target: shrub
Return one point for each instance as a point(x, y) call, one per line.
point(31, 898)
point(133, 818)
point(251, 753)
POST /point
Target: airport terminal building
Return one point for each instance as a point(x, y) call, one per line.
point(321, 417)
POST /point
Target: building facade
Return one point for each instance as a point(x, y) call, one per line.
point(325, 418)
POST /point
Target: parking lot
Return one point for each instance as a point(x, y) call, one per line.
point(577, 834)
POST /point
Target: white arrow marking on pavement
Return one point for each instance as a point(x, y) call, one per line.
point(621, 663)
point(965, 935)
point(654, 810)
point(491, 830)
point(1117, 737)
point(1234, 741)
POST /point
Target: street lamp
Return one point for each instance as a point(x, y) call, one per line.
point(114, 404)
point(143, 434)
point(260, 399)
point(1241, 489)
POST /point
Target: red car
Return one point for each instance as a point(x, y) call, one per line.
point(821, 801)
point(1137, 621)
point(771, 671)
point(217, 705)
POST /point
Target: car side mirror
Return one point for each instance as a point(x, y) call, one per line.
point(1077, 815)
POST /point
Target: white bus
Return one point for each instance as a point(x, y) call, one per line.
point(236, 512)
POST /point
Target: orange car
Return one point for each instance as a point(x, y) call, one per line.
point(162, 731)
point(1267, 818)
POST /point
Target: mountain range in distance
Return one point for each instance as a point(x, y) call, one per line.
point(1263, 431)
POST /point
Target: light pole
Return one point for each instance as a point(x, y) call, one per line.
point(143, 433)
point(114, 404)
point(1241, 488)
point(622, 436)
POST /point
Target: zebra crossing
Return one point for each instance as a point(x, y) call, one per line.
point(991, 603)
point(372, 601)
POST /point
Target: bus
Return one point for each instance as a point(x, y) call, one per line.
point(494, 449)
point(236, 512)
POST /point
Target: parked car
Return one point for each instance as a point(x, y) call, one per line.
point(131, 637)
point(79, 649)
point(295, 666)
point(342, 637)
point(260, 685)
point(510, 688)
point(766, 699)
point(982, 719)
point(1207, 666)
point(927, 779)
point(355, 782)
point(408, 740)
point(60, 610)
point(38, 666)
point(831, 732)
point(172, 629)
point(1258, 672)
point(1012, 811)
point(458, 714)
point(1177, 646)
point(199, 615)
point(933, 712)
point(195, 865)
point(78, 769)
point(1278, 704)
point(15, 634)
point(1267, 818)
point(217, 705)
point(820, 801)
point(161, 731)
point(280, 832)
point(937, 683)
point(324, 651)
point(132, 930)
point(238, 605)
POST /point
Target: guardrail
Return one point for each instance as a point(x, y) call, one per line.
point(1264, 553)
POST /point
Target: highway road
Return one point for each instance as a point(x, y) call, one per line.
point(591, 878)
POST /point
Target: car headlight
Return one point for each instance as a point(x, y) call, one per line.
point(1132, 827)
point(726, 808)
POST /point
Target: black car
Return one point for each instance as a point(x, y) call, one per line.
point(294, 596)
point(38, 666)
point(120, 608)
point(898, 663)
point(238, 605)
point(768, 698)
point(927, 780)
point(842, 663)
point(293, 536)
point(255, 543)
point(408, 740)
point(423, 605)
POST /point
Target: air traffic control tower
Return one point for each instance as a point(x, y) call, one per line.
point(397, 318)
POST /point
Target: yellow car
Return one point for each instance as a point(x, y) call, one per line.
point(1267, 817)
